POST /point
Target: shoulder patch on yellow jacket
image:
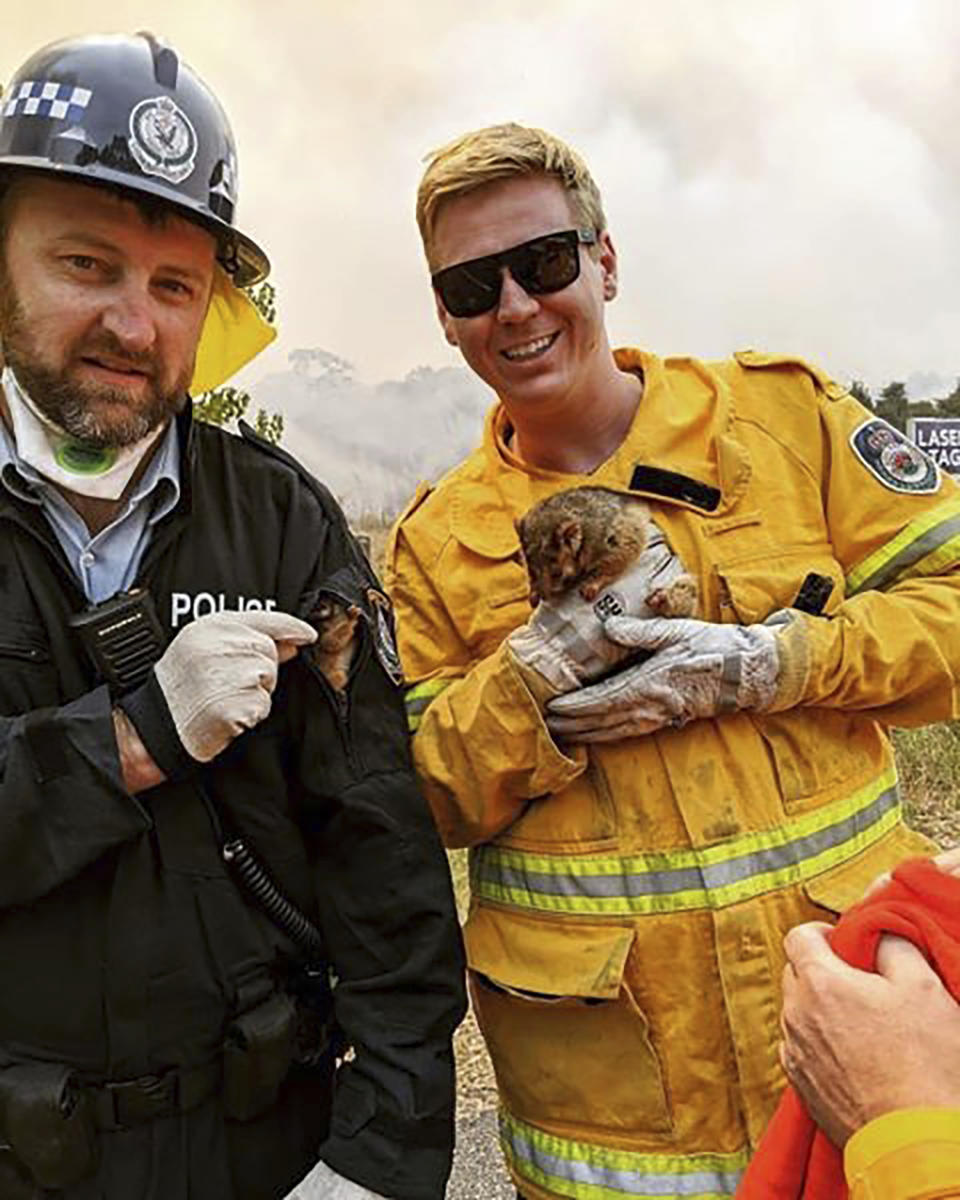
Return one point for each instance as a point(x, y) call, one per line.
point(756, 359)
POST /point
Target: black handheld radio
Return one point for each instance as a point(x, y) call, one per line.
point(123, 637)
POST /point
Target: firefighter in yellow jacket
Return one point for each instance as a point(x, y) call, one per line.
point(642, 841)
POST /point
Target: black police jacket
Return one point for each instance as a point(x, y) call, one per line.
point(125, 945)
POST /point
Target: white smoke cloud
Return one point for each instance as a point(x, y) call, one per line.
point(778, 173)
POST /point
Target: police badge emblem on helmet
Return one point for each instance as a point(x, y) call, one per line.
point(162, 139)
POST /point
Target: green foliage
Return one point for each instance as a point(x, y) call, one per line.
point(269, 425)
point(949, 406)
point(220, 406)
point(264, 296)
point(894, 405)
point(860, 391)
point(226, 404)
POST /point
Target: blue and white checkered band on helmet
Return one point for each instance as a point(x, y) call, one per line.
point(58, 101)
point(128, 112)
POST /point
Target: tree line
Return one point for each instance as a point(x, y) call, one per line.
point(893, 404)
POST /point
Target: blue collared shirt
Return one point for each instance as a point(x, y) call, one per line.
point(107, 562)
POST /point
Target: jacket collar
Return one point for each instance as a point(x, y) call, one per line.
point(681, 450)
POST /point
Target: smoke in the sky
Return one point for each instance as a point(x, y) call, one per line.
point(777, 173)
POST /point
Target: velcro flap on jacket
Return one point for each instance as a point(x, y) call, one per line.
point(837, 889)
point(547, 957)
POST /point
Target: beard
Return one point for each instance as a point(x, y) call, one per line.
point(100, 415)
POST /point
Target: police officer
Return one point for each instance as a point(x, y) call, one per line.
point(216, 870)
point(644, 837)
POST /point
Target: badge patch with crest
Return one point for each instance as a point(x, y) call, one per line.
point(162, 139)
point(383, 639)
point(894, 459)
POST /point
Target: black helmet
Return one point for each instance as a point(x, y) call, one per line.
point(125, 111)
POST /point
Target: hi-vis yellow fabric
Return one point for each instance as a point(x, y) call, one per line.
point(628, 905)
point(233, 334)
point(913, 1154)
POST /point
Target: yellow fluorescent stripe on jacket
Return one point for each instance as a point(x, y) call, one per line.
point(590, 1172)
point(625, 935)
point(913, 1154)
point(924, 547)
point(676, 881)
point(418, 698)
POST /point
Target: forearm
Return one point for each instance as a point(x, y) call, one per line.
point(896, 654)
point(483, 751)
point(139, 770)
point(63, 797)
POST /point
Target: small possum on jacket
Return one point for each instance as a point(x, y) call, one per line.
point(336, 626)
point(586, 537)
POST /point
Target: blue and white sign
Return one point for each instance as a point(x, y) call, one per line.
point(939, 438)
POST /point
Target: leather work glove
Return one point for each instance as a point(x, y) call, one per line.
point(323, 1183)
point(693, 669)
point(213, 681)
point(564, 644)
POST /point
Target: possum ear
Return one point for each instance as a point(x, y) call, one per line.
point(569, 535)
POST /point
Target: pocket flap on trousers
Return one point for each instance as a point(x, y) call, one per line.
point(542, 956)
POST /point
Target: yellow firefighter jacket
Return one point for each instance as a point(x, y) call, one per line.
point(628, 904)
point(913, 1154)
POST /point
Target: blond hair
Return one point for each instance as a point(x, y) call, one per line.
point(499, 152)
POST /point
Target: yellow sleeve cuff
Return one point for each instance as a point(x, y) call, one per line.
point(911, 1154)
point(793, 647)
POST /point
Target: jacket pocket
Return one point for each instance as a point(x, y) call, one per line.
point(753, 588)
point(812, 751)
point(820, 753)
point(569, 1043)
point(836, 890)
point(28, 672)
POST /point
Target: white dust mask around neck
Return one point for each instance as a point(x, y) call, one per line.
point(64, 459)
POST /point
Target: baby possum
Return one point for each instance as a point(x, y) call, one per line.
point(586, 537)
point(336, 625)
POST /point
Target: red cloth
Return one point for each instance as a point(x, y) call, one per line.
point(794, 1160)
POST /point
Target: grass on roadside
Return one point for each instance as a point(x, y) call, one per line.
point(928, 760)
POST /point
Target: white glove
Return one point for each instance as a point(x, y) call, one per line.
point(565, 642)
point(218, 675)
point(325, 1184)
point(696, 669)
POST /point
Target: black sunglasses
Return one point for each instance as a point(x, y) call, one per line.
point(544, 264)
